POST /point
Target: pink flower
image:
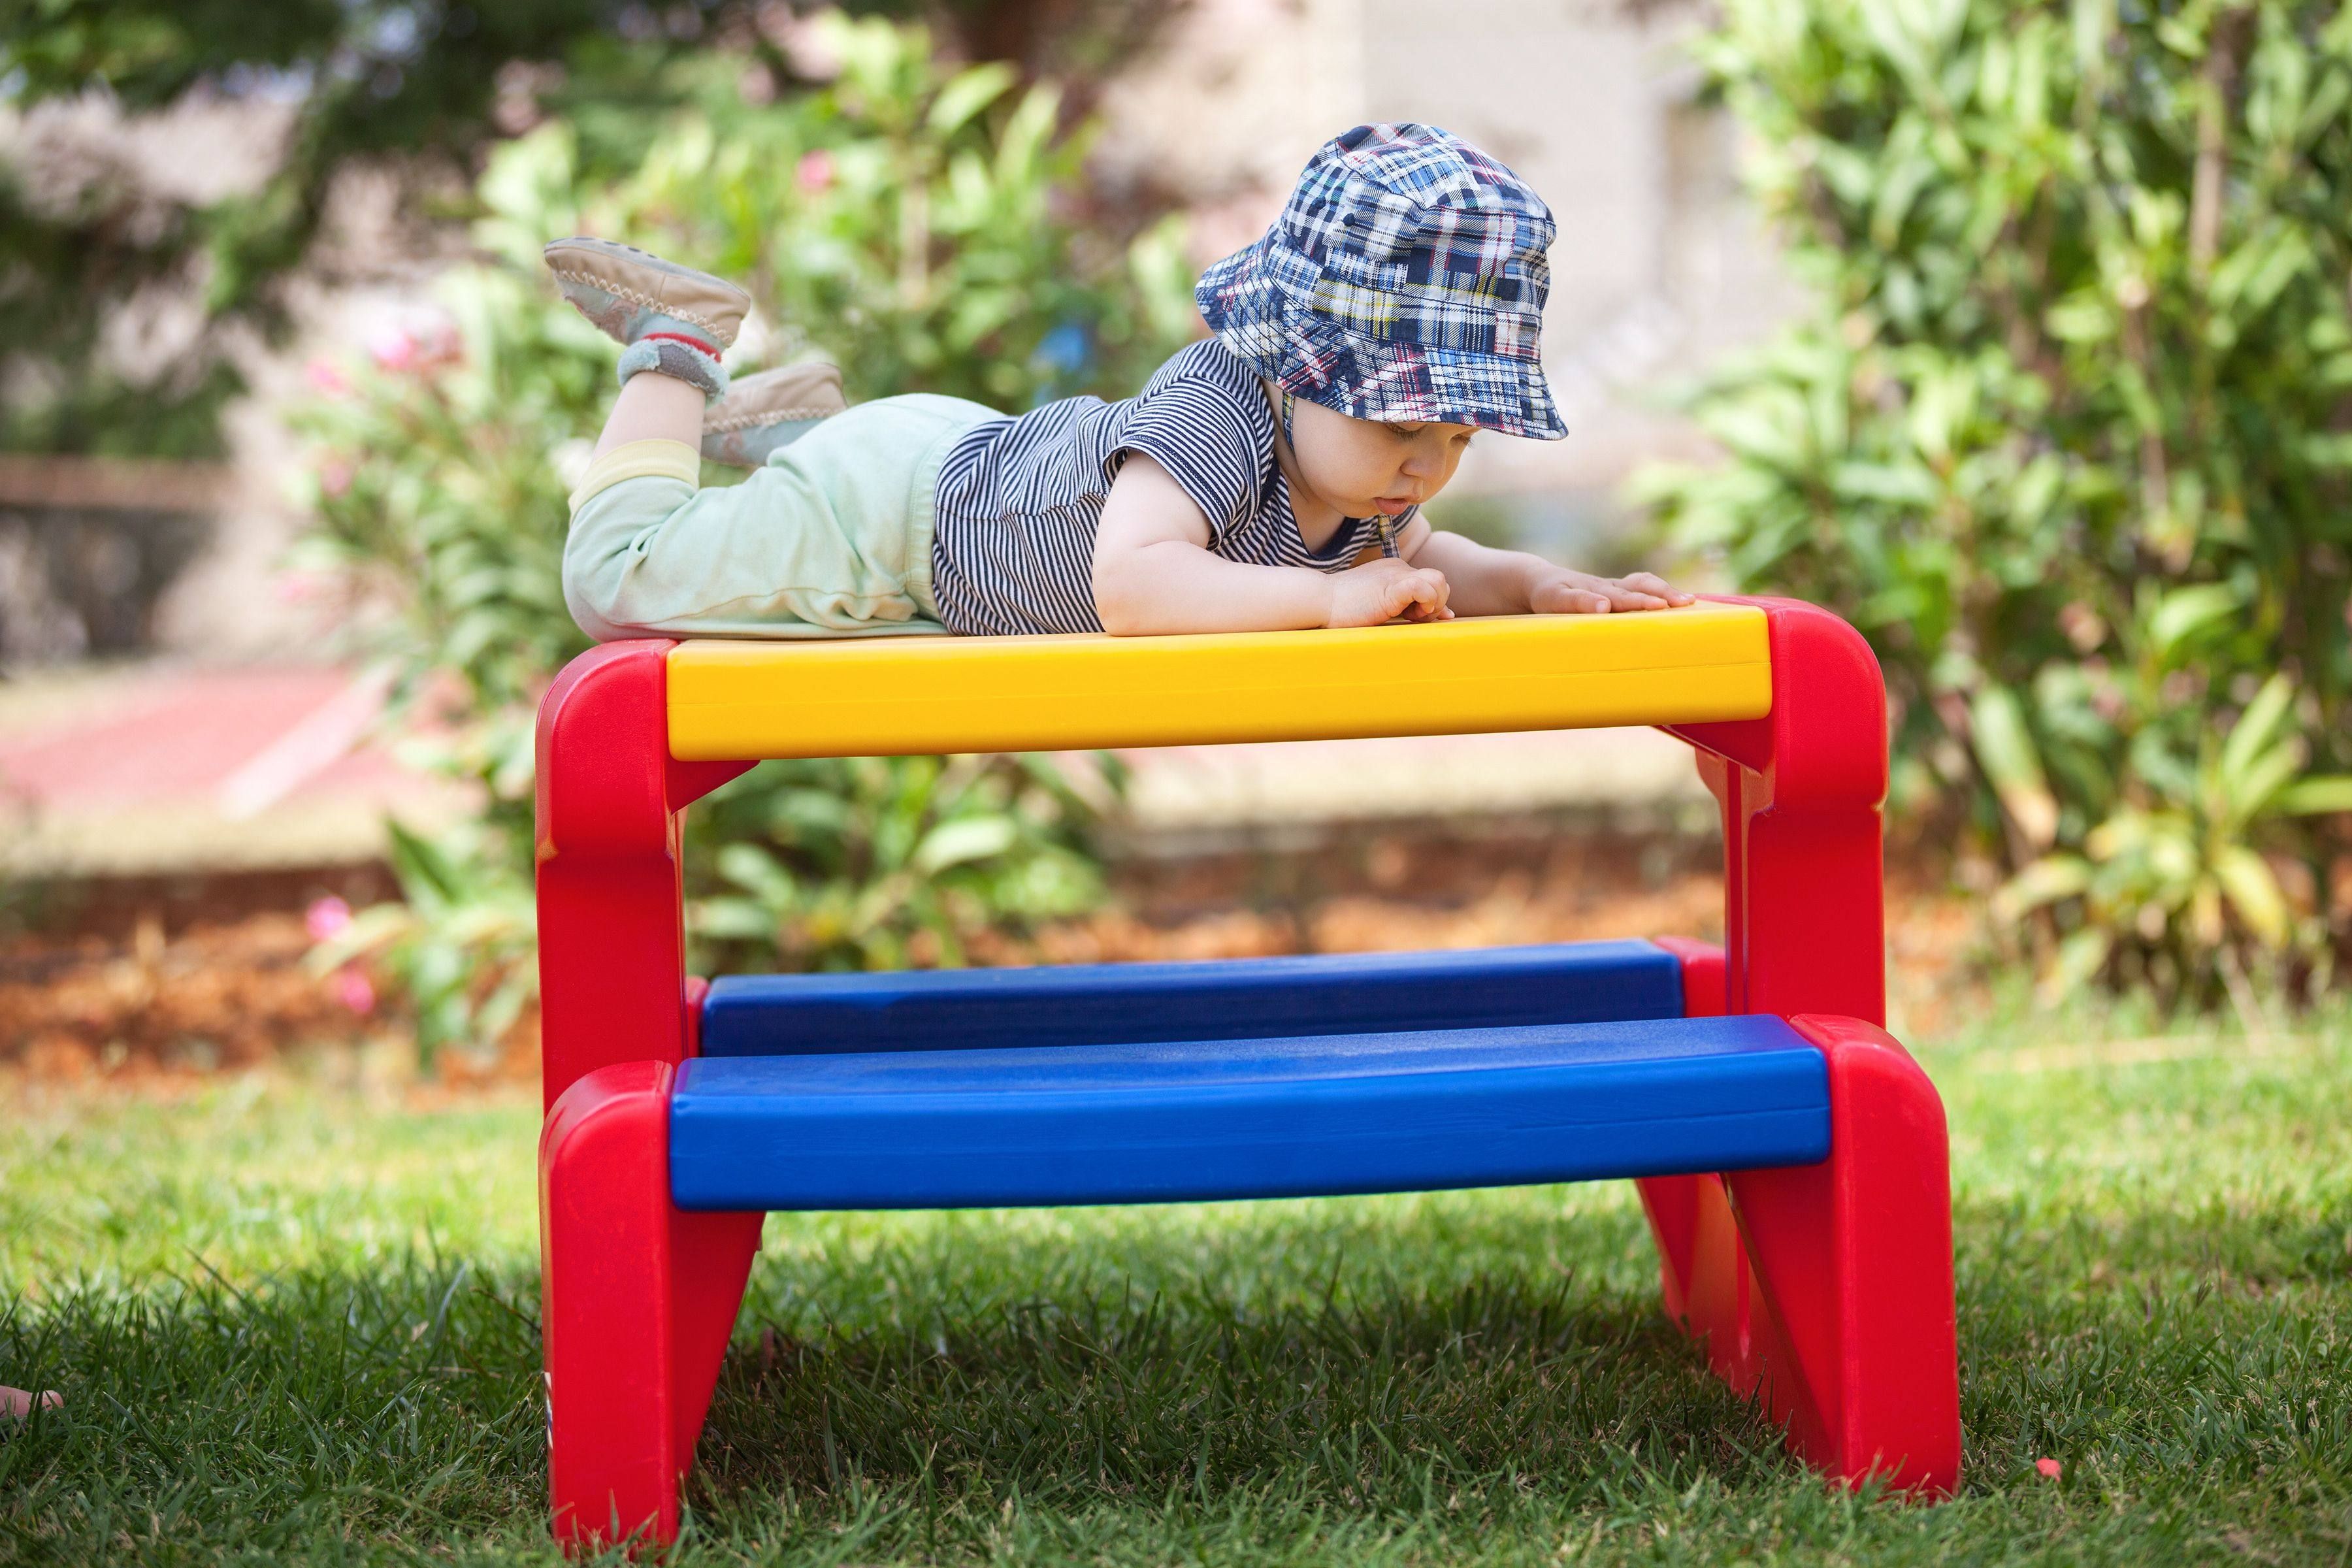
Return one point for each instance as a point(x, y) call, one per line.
point(814, 172)
point(335, 477)
point(419, 342)
point(352, 990)
point(392, 349)
point(328, 380)
point(327, 918)
point(2049, 1469)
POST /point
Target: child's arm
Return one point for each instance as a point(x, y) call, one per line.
point(1488, 582)
point(1153, 574)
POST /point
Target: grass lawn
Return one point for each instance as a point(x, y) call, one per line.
point(294, 1323)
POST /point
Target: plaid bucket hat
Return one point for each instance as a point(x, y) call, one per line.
point(1404, 281)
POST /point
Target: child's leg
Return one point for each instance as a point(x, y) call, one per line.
point(649, 554)
point(822, 540)
point(653, 407)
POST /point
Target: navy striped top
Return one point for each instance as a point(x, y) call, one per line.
point(1014, 537)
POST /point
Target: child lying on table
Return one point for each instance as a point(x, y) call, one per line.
point(1268, 478)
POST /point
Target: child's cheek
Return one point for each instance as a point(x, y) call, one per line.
point(1355, 474)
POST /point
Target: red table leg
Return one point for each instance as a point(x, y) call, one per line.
point(637, 1298)
point(1827, 1288)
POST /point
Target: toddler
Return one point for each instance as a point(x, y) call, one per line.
point(1270, 477)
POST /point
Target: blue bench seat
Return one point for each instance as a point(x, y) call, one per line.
point(1155, 1122)
point(1222, 999)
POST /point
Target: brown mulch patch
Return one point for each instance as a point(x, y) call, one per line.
point(142, 987)
point(219, 996)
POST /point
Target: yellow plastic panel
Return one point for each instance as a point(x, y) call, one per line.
point(732, 701)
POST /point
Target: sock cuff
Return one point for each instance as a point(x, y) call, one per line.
point(672, 355)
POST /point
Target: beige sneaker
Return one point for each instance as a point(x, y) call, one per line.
point(769, 410)
point(631, 295)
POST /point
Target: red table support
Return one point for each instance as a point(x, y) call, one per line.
point(1792, 1279)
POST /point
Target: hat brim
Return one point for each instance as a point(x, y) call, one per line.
point(1260, 318)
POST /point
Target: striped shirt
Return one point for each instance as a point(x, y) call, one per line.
point(1019, 497)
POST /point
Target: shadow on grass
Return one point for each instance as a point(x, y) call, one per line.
point(1374, 1405)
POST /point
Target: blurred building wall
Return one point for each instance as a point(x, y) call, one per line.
point(102, 558)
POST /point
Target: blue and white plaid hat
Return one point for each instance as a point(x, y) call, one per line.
point(1403, 282)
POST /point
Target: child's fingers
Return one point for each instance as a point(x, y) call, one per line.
point(1655, 587)
point(1622, 595)
point(1419, 594)
point(1562, 597)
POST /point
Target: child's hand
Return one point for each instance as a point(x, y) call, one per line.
point(1380, 590)
point(1560, 592)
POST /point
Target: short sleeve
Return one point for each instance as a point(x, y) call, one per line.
point(1202, 433)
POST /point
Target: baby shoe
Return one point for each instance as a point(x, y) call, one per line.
point(763, 412)
point(672, 319)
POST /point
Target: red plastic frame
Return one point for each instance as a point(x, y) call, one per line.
point(1826, 1289)
point(638, 1298)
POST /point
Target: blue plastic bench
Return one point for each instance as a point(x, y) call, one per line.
point(1162, 1121)
point(1221, 999)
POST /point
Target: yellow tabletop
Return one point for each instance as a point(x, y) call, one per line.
point(732, 700)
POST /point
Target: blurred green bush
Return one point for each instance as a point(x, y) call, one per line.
point(2069, 435)
point(916, 222)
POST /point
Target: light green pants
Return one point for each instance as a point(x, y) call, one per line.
point(831, 538)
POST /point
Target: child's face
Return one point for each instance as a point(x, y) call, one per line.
point(1363, 467)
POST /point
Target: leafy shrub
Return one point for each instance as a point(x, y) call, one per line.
point(2069, 435)
point(910, 219)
